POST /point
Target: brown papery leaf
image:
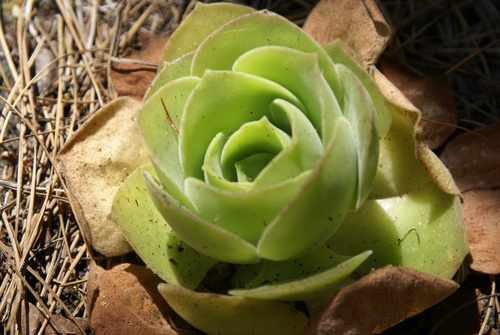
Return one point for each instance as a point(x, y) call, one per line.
point(109, 143)
point(134, 79)
point(358, 23)
point(380, 300)
point(32, 318)
point(125, 300)
point(431, 94)
point(473, 159)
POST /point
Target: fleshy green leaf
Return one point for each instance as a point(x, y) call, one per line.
point(399, 171)
point(178, 68)
point(358, 108)
point(418, 230)
point(339, 56)
point(223, 101)
point(304, 278)
point(316, 211)
point(244, 214)
point(153, 239)
point(229, 315)
point(250, 139)
point(301, 74)
point(302, 153)
point(213, 169)
point(255, 30)
point(200, 23)
point(160, 134)
point(203, 236)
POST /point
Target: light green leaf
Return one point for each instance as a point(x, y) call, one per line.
point(301, 74)
point(421, 230)
point(251, 138)
point(201, 235)
point(358, 108)
point(255, 30)
point(244, 214)
point(223, 101)
point(153, 239)
point(160, 134)
point(399, 171)
point(339, 56)
point(316, 211)
point(213, 169)
point(302, 153)
point(178, 68)
point(305, 278)
point(217, 314)
point(200, 23)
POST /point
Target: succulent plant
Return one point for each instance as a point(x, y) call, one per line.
point(283, 158)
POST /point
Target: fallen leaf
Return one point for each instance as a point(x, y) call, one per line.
point(482, 213)
point(109, 143)
point(431, 94)
point(134, 79)
point(30, 319)
point(57, 324)
point(473, 159)
point(359, 24)
point(445, 318)
point(125, 300)
point(380, 300)
point(67, 326)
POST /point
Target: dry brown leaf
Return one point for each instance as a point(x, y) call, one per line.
point(134, 79)
point(125, 300)
point(57, 323)
point(67, 326)
point(30, 319)
point(109, 136)
point(473, 159)
point(380, 300)
point(431, 94)
point(482, 216)
point(359, 24)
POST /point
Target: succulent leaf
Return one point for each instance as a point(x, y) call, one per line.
point(199, 24)
point(165, 253)
point(407, 230)
point(228, 315)
point(201, 235)
point(156, 124)
point(223, 101)
point(255, 30)
point(340, 56)
point(319, 207)
point(304, 278)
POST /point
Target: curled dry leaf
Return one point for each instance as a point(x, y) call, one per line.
point(124, 300)
point(109, 143)
point(431, 94)
point(380, 300)
point(359, 24)
point(473, 160)
point(133, 79)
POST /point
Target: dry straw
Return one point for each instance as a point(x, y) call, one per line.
point(55, 65)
